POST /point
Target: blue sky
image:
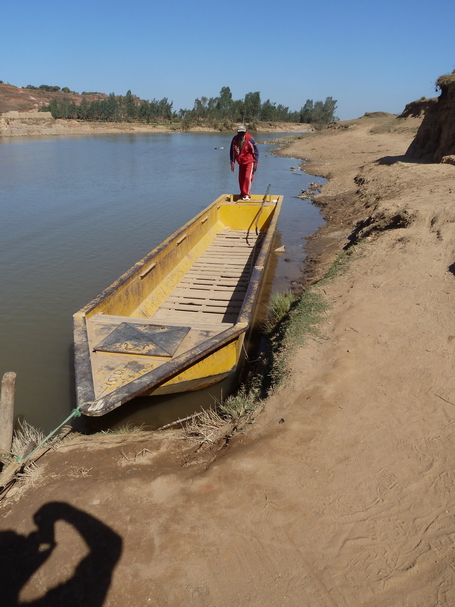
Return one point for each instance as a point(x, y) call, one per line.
point(369, 56)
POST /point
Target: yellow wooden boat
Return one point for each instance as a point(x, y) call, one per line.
point(176, 321)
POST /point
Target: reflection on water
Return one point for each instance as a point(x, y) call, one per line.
point(76, 213)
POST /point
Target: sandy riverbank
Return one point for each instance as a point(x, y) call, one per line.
point(341, 493)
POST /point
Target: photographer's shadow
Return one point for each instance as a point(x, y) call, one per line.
point(21, 556)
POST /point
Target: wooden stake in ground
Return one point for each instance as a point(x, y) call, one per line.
point(7, 410)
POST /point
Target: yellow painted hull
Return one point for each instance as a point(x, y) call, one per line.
point(208, 371)
point(177, 319)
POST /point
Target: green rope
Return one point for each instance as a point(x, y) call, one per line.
point(74, 413)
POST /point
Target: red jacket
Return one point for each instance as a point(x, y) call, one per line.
point(249, 152)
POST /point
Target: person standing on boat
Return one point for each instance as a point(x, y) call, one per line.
point(245, 151)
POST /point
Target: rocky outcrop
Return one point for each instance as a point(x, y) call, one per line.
point(435, 138)
point(419, 108)
point(27, 124)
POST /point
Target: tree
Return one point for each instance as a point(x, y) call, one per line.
point(319, 112)
point(200, 108)
point(251, 106)
point(130, 106)
point(282, 113)
point(306, 111)
point(268, 110)
point(224, 104)
point(83, 111)
point(165, 108)
point(329, 109)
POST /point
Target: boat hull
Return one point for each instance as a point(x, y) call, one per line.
point(177, 320)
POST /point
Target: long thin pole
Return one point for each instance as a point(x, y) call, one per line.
point(7, 410)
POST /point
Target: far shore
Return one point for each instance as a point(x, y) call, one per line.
point(35, 125)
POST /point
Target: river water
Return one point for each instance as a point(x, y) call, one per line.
point(77, 212)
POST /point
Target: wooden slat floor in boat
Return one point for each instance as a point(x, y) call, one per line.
point(213, 289)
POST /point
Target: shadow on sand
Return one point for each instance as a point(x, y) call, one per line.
point(21, 556)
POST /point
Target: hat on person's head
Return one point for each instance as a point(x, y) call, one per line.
point(241, 129)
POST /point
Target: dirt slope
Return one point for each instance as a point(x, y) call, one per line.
point(15, 98)
point(342, 492)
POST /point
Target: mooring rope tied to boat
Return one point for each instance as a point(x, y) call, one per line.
point(74, 413)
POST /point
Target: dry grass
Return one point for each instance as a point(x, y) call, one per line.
point(30, 475)
point(25, 439)
point(209, 427)
point(445, 80)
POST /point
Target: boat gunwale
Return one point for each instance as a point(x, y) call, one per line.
point(139, 265)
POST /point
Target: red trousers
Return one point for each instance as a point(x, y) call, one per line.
point(246, 177)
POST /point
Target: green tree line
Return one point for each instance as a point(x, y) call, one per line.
point(251, 109)
point(219, 112)
point(114, 108)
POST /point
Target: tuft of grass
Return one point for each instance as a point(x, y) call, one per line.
point(279, 307)
point(208, 427)
point(239, 406)
point(31, 474)
point(303, 320)
point(445, 80)
point(221, 422)
point(25, 439)
point(339, 266)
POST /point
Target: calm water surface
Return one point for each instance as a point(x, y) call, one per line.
point(76, 213)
